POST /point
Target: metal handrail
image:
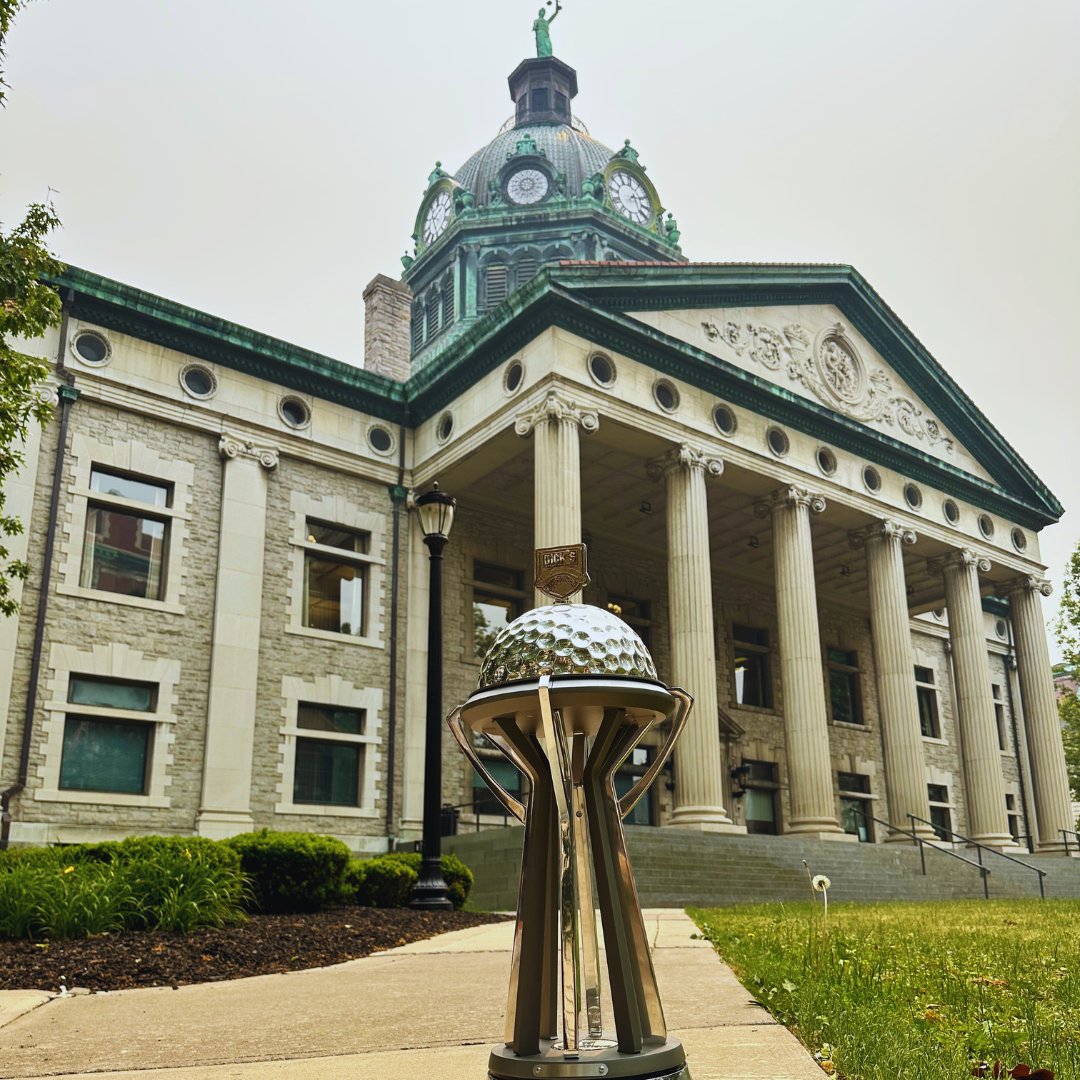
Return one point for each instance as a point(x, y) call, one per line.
point(1065, 834)
point(474, 807)
point(922, 842)
point(981, 847)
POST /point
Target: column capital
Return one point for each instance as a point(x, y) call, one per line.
point(233, 446)
point(885, 529)
point(963, 557)
point(791, 496)
point(554, 406)
point(683, 456)
point(1026, 583)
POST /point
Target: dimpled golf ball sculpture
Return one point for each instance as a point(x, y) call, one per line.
point(566, 692)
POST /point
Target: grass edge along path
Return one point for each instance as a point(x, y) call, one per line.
point(908, 991)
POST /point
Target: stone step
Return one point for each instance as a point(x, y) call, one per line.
point(674, 868)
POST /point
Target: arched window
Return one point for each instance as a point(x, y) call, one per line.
point(432, 308)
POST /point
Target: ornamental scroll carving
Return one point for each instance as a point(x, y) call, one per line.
point(791, 497)
point(231, 446)
point(963, 558)
point(683, 456)
point(555, 407)
point(881, 530)
point(1026, 583)
point(830, 367)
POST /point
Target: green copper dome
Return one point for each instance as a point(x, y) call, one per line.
point(570, 151)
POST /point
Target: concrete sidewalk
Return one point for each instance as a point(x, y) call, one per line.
point(432, 1008)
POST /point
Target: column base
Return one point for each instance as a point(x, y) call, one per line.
point(826, 828)
point(704, 819)
point(840, 837)
point(995, 840)
point(221, 824)
point(660, 1059)
point(923, 832)
point(1058, 848)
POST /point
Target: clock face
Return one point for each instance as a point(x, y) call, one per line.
point(629, 197)
point(527, 186)
point(438, 217)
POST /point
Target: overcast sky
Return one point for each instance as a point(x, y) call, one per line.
point(263, 159)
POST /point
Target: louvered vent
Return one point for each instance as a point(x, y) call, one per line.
point(447, 303)
point(526, 270)
point(495, 285)
point(417, 326)
point(432, 315)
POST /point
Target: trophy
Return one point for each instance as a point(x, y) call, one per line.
point(566, 692)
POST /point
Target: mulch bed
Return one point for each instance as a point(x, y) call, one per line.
point(265, 945)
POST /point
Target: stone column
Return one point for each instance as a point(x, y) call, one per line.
point(554, 424)
point(985, 795)
point(894, 663)
point(1049, 780)
point(813, 806)
point(700, 782)
point(234, 659)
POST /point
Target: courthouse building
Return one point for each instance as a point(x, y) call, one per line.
point(809, 523)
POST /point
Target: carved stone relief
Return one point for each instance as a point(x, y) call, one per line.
point(830, 367)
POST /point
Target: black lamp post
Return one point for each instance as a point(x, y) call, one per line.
point(436, 512)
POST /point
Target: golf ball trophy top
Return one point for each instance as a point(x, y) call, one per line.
point(566, 692)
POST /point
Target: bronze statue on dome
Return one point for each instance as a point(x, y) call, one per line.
point(541, 29)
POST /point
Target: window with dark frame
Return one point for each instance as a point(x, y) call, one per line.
point(635, 613)
point(940, 811)
point(329, 764)
point(336, 585)
point(498, 599)
point(752, 676)
point(627, 775)
point(124, 547)
point(1013, 816)
point(926, 693)
point(999, 716)
point(104, 751)
point(845, 699)
point(760, 802)
point(855, 805)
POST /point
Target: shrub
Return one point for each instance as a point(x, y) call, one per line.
point(381, 882)
point(292, 871)
point(458, 877)
point(165, 883)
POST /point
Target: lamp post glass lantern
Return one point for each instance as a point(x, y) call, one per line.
point(435, 509)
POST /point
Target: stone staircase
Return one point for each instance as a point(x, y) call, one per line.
point(675, 868)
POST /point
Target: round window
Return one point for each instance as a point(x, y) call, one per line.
point(986, 525)
point(198, 381)
point(1001, 629)
point(871, 478)
point(380, 440)
point(294, 412)
point(91, 348)
point(912, 496)
point(778, 441)
point(667, 397)
point(939, 614)
point(513, 377)
point(826, 460)
point(601, 369)
point(1019, 540)
point(445, 427)
point(951, 511)
point(724, 419)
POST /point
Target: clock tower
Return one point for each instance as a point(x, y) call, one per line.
point(543, 190)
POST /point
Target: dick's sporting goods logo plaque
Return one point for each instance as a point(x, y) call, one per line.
point(561, 571)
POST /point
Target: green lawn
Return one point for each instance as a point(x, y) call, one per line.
point(914, 991)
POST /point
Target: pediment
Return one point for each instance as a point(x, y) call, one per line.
point(812, 351)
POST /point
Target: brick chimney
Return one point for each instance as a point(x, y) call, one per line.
point(387, 311)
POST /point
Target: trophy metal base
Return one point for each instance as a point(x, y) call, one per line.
point(660, 1059)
